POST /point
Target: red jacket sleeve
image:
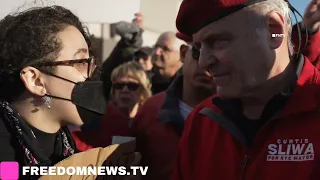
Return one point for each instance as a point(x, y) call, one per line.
point(312, 49)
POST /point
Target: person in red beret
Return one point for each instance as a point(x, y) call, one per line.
point(263, 123)
point(159, 123)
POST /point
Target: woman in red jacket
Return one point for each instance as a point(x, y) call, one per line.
point(130, 89)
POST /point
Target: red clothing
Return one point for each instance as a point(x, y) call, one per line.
point(312, 50)
point(158, 127)
point(114, 123)
point(286, 147)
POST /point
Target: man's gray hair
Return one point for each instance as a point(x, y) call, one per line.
point(178, 44)
point(282, 7)
point(176, 41)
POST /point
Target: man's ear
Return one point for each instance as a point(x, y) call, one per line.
point(183, 52)
point(276, 27)
point(33, 80)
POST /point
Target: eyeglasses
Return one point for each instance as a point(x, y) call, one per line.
point(130, 85)
point(85, 66)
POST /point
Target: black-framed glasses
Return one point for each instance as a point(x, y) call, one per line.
point(85, 66)
point(130, 85)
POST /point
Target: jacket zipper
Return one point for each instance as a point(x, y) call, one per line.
point(244, 167)
point(247, 157)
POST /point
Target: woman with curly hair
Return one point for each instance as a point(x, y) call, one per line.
point(45, 70)
point(130, 89)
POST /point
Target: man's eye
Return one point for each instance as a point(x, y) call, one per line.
point(165, 48)
point(221, 43)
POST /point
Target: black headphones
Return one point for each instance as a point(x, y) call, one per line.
point(294, 12)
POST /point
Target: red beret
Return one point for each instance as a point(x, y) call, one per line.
point(187, 39)
point(195, 14)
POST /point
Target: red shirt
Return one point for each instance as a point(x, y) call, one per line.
point(310, 46)
point(114, 123)
point(286, 147)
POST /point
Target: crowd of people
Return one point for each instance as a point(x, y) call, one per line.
point(223, 98)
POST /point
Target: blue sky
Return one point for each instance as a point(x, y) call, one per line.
point(300, 5)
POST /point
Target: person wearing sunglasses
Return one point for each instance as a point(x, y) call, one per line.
point(130, 89)
point(45, 71)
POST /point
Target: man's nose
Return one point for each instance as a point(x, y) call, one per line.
point(157, 51)
point(206, 61)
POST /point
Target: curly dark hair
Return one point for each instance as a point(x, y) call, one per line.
point(29, 37)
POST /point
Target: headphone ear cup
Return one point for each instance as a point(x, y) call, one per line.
point(195, 53)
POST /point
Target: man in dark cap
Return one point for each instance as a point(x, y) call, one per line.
point(143, 56)
point(263, 122)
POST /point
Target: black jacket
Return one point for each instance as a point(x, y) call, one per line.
point(10, 150)
point(131, 41)
point(159, 83)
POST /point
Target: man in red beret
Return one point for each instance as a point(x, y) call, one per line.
point(263, 124)
point(159, 123)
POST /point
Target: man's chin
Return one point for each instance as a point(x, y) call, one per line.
point(226, 93)
point(204, 87)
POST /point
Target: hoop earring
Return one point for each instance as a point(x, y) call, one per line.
point(47, 100)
